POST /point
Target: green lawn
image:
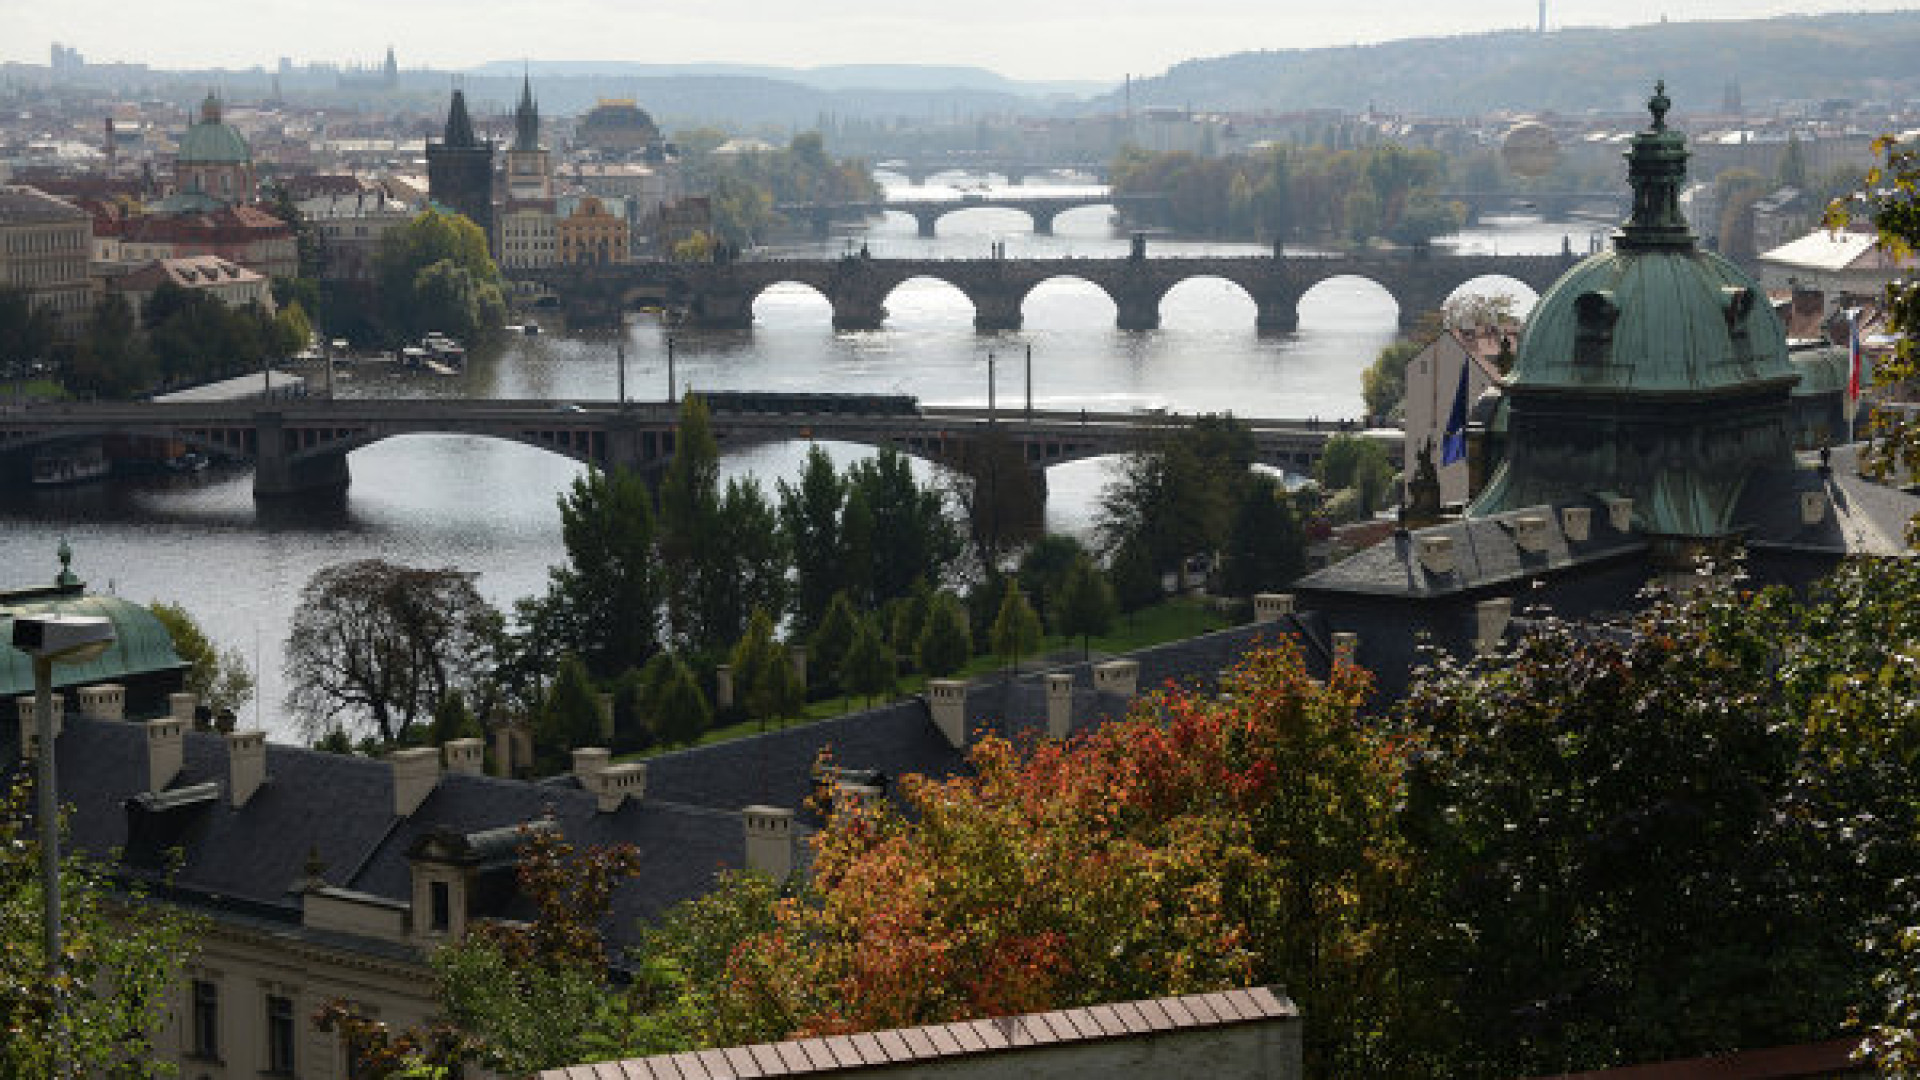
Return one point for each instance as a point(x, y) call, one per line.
point(1183, 617)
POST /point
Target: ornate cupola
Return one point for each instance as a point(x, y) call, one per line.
point(1655, 371)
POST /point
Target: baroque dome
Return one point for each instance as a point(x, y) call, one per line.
point(212, 142)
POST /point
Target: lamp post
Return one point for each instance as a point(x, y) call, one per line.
point(672, 395)
point(50, 640)
point(620, 352)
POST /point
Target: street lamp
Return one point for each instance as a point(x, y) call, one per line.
point(50, 640)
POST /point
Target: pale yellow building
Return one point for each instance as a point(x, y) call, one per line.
point(45, 244)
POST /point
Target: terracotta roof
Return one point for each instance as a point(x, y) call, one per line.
point(968, 1038)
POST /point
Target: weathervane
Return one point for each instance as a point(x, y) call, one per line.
point(1659, 104)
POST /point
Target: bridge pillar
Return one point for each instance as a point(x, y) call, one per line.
point(926, 220)
point(858, 313)
point(1016, 176)
point(1278, 312)
point(1042, 220)
point(730, 310)
point(997, 309)
point(277, 472)
point(1137, 310)
point(915, 177)
point(822, 224)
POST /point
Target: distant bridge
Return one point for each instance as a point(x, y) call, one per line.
point(302, 446)
point(721, 295)
point(918, 170)
point(1043, 209)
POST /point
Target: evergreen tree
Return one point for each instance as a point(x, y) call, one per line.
point(1016, 630)
point(1266, 548)
point(608, 594)
point(680, 710)
point(1044, 569)
point(570, 717)
point(857, 549)
point(909, 618)
point(810, 519)
point(749, 569)
point(912, 537)
point(1086, 604)
point(1136, 582)
point(453, 720)
point(633, 715)
point(945, 643)
point(868, 666)
point(689, 527)
point(830, 642)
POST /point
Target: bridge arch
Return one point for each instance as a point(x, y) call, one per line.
point(1208, 302)
point(929, 300)
point(1067, 300)
point(1350, 302)
point(790, 302)
point(1522, 295)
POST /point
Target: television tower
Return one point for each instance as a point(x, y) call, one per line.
point(1543, 16)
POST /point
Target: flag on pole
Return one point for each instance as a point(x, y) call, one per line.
point(1453, 447)
point(1852, 404)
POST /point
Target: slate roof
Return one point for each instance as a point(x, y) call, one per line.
point(937, 1044)
point(20, 205)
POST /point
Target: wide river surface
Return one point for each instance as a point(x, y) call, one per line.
point(489, 507)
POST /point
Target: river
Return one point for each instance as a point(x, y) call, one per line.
point(489, 507)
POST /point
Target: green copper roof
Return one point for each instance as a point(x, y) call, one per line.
point(141, 644)
point(212, 142)
point(1656, 315)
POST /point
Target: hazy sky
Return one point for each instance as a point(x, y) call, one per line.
point(1035, 39)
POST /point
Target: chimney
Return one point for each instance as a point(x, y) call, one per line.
point(1530, 533)
point(415, 772)
point(182, 706)
point(1346, 649)
point(105, 701)
point(246, 765)
point(1490, 619)
point(1436, 552)
point(603, 705)
point(30, 730)
point(723, 686)
point(1059, 705)
point(1813, 507)
point(615, 784)
point(947, 701)
point(1272, 607)
point(468, 757)
point(769, 841)
point(588, 761)
point(1577, 523)
point(1117, 677)
point(1620, 514)
point(166, 751)
point(503, 743)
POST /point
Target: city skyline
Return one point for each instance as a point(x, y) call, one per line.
point(1015, 40)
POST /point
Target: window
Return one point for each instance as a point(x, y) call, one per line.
point(442, 906)
point(280, 1034)
point(206, 1020)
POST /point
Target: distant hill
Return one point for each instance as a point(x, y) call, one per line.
point(1795, 58)
point(904, 78)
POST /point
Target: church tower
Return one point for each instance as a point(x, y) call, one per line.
point(460, 169)
point(529, 167)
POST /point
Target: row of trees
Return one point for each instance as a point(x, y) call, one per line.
point(745, 189)
point(1290, 192)
point(1689, 834)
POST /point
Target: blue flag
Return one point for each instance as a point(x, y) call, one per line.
point(1453, 447)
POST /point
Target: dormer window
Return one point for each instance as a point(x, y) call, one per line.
point(1595, 312)
point(1736, 305)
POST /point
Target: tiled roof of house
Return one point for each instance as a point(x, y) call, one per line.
point(937, 1043)
point(20, 205)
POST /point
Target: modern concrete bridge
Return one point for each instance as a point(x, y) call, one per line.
point(721, 295)
point(302, 446)
point(1042, 209)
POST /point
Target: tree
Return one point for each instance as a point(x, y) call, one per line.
point(1357, 463)
point(868, 666)
point(453, 720)
point(750, 567)
point(121, 956)
point(680, 711)
point(913, 539)
point(1266, 547)
point(374, 646)
point(1793, 164)
point(1001, 498)
point(26, 328)
point(1044, 569)
point(570, 717)
point(690, 523)
point(1631, 859)
point(435, 267)
point(1383, 385)
point(1086, 604)
point(1174, 495)
point(909, 920)
point(606, 598)
point(221, 680)
point(763, 677)
point(945, 643)
point(810, 518)
point(1016, 629)
point(909, 617)
point(829, 644)
point(1136, 582)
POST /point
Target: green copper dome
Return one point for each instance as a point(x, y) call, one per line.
point(211, 142)
point(1656, 315)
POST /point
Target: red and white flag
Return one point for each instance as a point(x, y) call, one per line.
point(1854, 364)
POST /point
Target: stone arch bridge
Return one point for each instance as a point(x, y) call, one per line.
point(1041, 209)
point(303, 446)
point(721, 295)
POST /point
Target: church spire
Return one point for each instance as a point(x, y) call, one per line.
point(1657, 169)
point(459, 131)
point(526, 119)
